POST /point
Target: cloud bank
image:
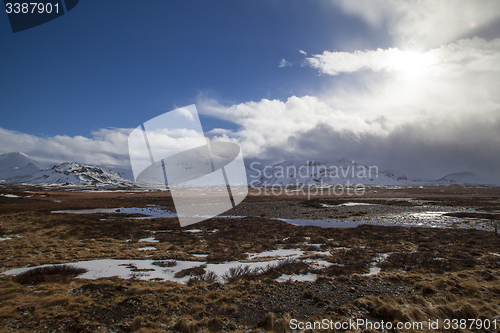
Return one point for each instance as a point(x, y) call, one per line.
point(423, 24)
point(105, 146)
point(454, 59)
point(428, 105)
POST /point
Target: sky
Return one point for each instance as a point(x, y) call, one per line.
point(406, 85)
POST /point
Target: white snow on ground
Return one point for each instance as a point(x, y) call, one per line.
point(194, 230)
point(125, 269)
point(297, 277)
point(145, 270)
point(374, 269)
point(349, 204)
point(222, 268)
point(147, 248)
point(277, 253)
point(4, 239)
point(9, 195)
point(427, 215)
point(318, 263)
point(355, 204)
point(149, 240)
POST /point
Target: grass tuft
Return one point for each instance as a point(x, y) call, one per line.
point(39, 274)
point(165, 263)
point(186, 325)
point(208, 277)
point(240, 272)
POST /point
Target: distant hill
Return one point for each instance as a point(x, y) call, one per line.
point(17, 168)
point(341, 171)
point(466, 178)
point(16, 164)
point(77, 174)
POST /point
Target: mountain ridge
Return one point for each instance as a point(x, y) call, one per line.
point(62, 174)
point(17, 164)
point(19, 168)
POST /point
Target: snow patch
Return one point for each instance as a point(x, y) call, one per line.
point(310, 277)
point(147, 248)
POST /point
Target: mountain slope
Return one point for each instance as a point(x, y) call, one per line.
point(345, 171)
point(465, 178)
point(16, 164)
point(341, 171)
point(67, 174)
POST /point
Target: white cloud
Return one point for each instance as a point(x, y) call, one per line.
point(284, 63)
point(423, 24)
point(435, 113)
point(303, 52)
point(433, 137)
point(466, 55)
point(105, 146)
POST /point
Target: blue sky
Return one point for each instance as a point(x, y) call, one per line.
point(116, 63)
point(409, 85)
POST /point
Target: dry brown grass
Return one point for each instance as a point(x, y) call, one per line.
point(464, 283)
point(435, 303)
point(273, 323)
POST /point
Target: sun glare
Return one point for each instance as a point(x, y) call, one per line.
point(412, 64)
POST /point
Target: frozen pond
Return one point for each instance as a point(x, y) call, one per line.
point(151, 212)
point(147, 270)
point(429, 219)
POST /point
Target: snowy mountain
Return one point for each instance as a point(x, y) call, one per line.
point(123, 172)
point(465, 178)
point(344, 171)
point(16, 164)
point(16, 168)
point(73, 174)
point(341, 171)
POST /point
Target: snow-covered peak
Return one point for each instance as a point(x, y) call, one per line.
point(466, 178)
point(16, 164)
point(14, 160)
point(318, 172)
point(345, 171)
point(74, 174)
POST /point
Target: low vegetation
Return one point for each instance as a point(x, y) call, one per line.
point(369, 272)
point(42, 274)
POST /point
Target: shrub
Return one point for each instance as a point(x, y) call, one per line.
point(228, 309)
point(286, 266)
point(215, 324)
point(165, 263)
point(429, 260)
point(186, 325)
point(240, 272)
point(39, 274)
point(198, 270)
point(208, 277)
